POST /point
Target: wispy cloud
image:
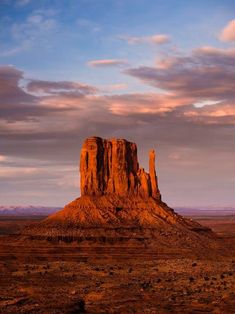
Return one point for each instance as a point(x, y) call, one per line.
point(107, 62)
point(158, 39)
point(228, 33)
point(89, 25)
point(33, 28)
point(23, 35)
point(12, 172)
point(22, 3)
point(113, 88)
point(7, 52)
point(60, 87)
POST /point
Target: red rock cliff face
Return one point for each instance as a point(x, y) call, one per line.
point(111, 166)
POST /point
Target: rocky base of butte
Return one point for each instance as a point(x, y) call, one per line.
point(119, 201)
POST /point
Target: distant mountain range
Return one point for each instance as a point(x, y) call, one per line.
point(184, 211)
point(27, 210)
point(206, 210)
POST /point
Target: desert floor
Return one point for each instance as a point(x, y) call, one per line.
point(44, 277)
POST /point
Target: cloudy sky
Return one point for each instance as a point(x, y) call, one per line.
point(160, 73)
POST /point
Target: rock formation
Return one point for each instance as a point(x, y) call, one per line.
point(111, 167)
point(119, 200)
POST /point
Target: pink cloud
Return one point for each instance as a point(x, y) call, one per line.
point(107, 62)
point(159, 39)
point(220, 113)
point(228, 33)
point(153, 39)
point(208, 73)
point(69, 108)
point(145, 103)
point(3, 158)
point(113, 87)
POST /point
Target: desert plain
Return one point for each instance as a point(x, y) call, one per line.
point(42, 276)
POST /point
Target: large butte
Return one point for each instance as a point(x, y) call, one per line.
point(121, 202)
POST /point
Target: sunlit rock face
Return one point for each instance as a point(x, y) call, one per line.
point(111, 167)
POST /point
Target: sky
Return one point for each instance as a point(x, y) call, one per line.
point(160, 73)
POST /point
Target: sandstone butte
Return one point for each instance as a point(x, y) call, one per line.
point(119, 199)
point(111, 167)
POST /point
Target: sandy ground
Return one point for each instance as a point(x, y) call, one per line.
point(44, 277)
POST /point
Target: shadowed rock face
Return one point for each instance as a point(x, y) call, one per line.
point(111, 167)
